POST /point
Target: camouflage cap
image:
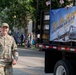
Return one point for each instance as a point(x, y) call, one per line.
point(5, 25)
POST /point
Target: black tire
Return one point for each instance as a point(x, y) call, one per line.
point(65, 68)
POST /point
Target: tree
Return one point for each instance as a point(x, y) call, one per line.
point(24, 10)
point(20, 8)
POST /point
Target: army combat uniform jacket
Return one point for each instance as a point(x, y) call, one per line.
point(8, 49)
point(8, 52)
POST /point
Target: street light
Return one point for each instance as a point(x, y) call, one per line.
point(14, 19)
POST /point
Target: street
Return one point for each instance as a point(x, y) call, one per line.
point(31, 62)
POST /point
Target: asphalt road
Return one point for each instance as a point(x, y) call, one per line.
point(31, 62)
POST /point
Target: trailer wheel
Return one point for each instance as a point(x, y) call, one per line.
point(63, 68)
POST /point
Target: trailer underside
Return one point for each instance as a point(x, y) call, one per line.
point(52, 56)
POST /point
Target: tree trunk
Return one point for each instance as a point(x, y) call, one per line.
point(26, 26)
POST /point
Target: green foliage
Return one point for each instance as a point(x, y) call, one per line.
point(24, 10)
point(55, 4)
point(20, 8)
point(41, 5)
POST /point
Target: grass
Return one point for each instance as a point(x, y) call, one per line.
point(34, 48)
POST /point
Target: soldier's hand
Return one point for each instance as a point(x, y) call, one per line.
point(14, 62)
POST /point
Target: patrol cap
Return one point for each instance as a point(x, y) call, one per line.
point(5, 25)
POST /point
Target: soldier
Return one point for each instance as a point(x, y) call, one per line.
point(8, 51)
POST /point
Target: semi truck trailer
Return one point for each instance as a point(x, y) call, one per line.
point(60, 32)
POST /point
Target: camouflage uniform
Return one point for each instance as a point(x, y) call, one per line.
point(9, 47)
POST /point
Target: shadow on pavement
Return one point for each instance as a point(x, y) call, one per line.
point(29, 71)
point(30, 53)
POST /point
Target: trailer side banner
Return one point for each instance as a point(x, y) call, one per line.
point(61, 22)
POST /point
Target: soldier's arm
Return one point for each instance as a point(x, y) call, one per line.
point(14, 50)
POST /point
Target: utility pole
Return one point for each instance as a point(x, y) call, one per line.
point(50, 4)
point(37, 5)
point(37, 16)
point(36, 29)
